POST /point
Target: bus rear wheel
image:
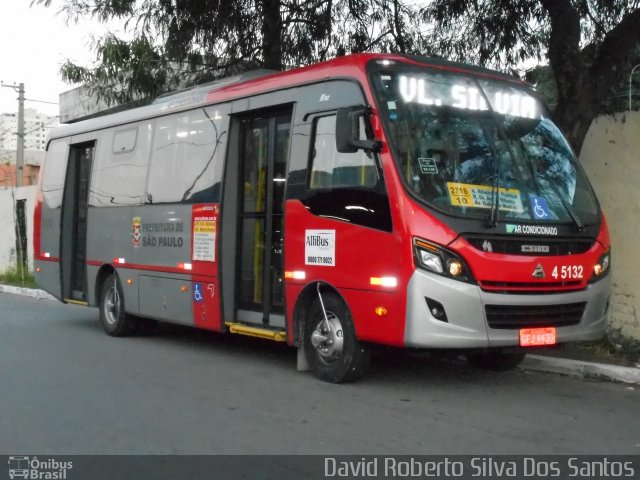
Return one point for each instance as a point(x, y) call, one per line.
point(330, 344)
point(115, 321)
point(496, 359)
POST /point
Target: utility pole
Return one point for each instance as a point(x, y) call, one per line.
point(20, 145)
point(20, 140)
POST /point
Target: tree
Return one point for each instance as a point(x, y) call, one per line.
point(174, 43)
point(589, 45)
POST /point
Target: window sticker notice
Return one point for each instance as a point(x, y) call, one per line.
point(428, 165)
point(479, 196)
point(320, 247)
point(204, 239)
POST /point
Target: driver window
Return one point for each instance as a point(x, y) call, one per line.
point(333, 169)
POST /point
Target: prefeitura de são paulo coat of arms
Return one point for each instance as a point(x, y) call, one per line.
point(136, 236)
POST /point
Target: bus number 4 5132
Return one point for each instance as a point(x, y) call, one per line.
point(567, 272)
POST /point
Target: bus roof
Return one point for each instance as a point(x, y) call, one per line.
point(264, 81)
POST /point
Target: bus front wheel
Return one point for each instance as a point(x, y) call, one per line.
point(115, 321)
point(496, 359)
point(330, 344)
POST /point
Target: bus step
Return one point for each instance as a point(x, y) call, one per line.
point(241, 329)
point(76, 302)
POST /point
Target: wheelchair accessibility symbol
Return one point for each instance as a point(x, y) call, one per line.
point(197, 293)
point(539, 207)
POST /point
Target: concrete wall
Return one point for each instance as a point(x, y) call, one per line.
point(8, 254)
point(611, 156)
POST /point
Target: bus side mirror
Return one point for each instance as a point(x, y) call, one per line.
point(348, 131)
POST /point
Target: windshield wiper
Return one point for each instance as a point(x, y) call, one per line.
point(492, 221)
point(567, 206)
point(495, 192)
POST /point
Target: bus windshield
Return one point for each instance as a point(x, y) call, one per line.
point(481, 148)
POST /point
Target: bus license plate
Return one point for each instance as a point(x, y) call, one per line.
point(534, 337)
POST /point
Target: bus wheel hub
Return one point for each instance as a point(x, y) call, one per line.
point(327, 338)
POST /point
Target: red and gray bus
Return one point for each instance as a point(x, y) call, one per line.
point(371, 199)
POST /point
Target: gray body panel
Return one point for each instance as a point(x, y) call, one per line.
point(165, 299)
point(152, 282)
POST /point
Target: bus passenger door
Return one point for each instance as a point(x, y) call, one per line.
point(263, 162)
point(73, 223)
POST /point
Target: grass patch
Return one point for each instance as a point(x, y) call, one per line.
point(18, 276)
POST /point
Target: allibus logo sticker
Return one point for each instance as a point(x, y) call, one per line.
point(531, 229)
point(320, 247)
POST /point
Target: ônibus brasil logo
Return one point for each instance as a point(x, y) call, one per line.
point(36, 469)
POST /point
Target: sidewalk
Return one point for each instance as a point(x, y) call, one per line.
point(534, 363)
point(26, 292)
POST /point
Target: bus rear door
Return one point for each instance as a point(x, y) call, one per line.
point(73, 223)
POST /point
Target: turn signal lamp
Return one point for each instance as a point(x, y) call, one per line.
point(381, 311)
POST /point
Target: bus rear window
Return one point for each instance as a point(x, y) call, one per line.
point(55, 170)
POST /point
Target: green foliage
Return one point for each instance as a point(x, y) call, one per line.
point(496, 33)
point(504, 33)
point(541, 77)
point(589, 45)
point(18, 276)
point(178, 43)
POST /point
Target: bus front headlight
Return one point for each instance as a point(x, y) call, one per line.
point(601, 268)
point(437, 259)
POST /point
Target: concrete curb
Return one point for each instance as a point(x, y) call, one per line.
point(27, 292)
point(535, 363)
point(579, 368)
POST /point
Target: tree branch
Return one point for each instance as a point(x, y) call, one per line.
point(564, 46)
point(616, 50)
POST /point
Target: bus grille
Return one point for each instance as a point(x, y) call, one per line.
point(518, 316)
point(530, 287)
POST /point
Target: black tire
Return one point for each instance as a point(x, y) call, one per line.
point(115, 321)
point(496, 360)
point(334, 354)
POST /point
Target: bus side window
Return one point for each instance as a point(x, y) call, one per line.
point(333, 169)
point(120, 169)
point(186, 157)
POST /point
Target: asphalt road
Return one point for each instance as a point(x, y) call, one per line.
point(68, 388)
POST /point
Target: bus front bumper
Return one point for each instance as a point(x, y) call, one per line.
point(466, 323)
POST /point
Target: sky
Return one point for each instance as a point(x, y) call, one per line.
point(34, 43)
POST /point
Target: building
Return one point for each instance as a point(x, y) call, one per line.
point(32, 161)
point(36, 128)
